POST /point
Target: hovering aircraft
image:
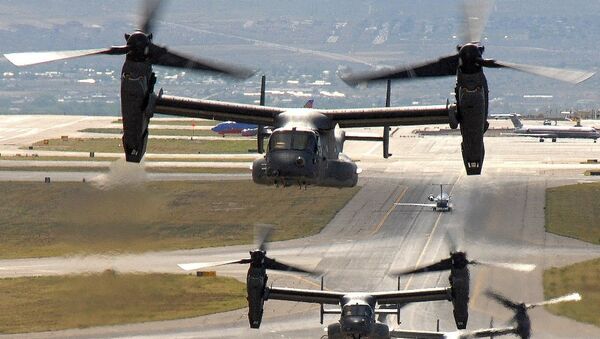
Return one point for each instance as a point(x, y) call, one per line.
point(357, 309)
point(522, 328)
point(306, 145)
point(246, 130)
point(471, 89)
point(441, 202)
point(554, 132)
point(458, 265)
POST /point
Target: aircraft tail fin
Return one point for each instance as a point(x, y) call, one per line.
point(516, 121)
point(309, 103)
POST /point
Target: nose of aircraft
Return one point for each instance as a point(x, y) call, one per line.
point(355, 325)
point(290, 164)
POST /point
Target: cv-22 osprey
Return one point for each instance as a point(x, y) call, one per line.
point(306, 145)
point(357, 310)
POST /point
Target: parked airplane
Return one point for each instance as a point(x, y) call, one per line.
point(246, 130)
point(441, 202)
point(554, 132)
point(504, 116)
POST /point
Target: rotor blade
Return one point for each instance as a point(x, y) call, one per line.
point(569, 297)
point(199, 265)
point(502, 299)
point(441, 265)
point(163, 57)
point(262, 234)
point(510, 266)
point(150, 10)
point(452, 242)
point(33, 58)
point(444, 66)
point(569, 75)
point(476, 14)
point(271, 264)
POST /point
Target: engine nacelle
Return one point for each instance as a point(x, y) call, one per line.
point(472, 124)
point(459, 281)
point(137, 107)
point(256, 282)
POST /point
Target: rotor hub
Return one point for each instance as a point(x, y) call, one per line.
point(459, 260)
point(139, 45)
point(470, 56)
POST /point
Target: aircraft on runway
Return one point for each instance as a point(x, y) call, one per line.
point(441, 202)
point(246, 130)
point(471, 89)
point(357, 309)
point(306, 145)
point(554, 132)
point(521, 329)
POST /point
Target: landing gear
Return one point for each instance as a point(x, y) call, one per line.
point(541, 139)
point(553, 139)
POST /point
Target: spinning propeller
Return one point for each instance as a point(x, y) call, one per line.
point(258, 257)
point(521, 318)
point(138, 48)
point(458, 260)
point(468, 59)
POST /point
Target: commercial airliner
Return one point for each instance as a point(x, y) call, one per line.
point(554, 132)
point(246, 130)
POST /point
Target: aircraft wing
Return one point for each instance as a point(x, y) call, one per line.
point(265, 115)
point(404, 297)
point(411, 204)
point(217, 110)
point(536, 135)
point(417, 334)
point(390, 116)
point(302, 295)
point(483, 333)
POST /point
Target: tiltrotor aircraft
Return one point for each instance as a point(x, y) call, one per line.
point(471, 89)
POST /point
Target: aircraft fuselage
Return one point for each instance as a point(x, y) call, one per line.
point(305, 149)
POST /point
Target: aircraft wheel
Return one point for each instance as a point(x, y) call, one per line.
point(541, 140)
point(553, 139)
point(433, 208)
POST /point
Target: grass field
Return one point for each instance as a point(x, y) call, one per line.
point(169, 132)
point(109, 298)
point(581, 277)
point(50, 169)
point(249, 158)
point(38, 219)
point(165, 146)
point(574, 211)
point(178, 122)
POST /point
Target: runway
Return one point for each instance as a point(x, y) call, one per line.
point(497, 216)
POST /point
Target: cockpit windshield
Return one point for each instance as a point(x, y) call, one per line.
point(361, 310)
point(292, 140)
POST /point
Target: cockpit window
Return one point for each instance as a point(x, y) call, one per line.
point(362, 310)
point(292, 140)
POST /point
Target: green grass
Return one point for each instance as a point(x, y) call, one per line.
point(165, 146)
point(574, 211)
point(581, 277)
point(57, 158)
point(147, 159)
point(168, 132)
point(38, 220)
point(49, 169)
point(109, 298)
point(155, 122)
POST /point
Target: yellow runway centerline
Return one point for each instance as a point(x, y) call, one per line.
point(387, 214)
